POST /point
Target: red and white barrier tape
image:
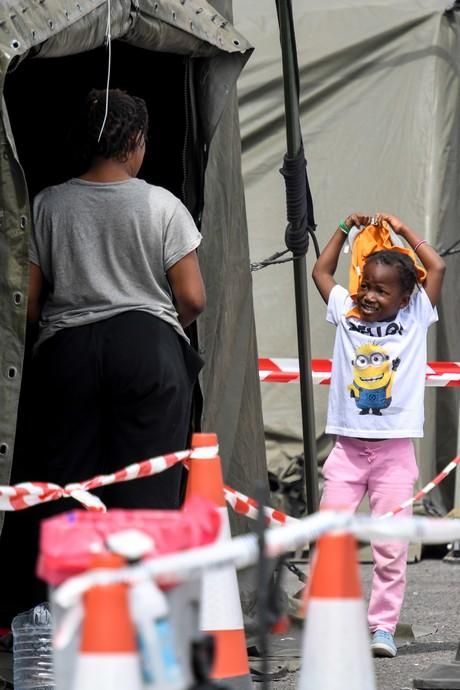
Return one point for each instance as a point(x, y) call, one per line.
point(243, 505)
point(248, 506)
point(285, 370)
point(428, 487)
point(28, 494)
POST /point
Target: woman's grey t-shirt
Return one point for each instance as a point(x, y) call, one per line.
point(105, 248)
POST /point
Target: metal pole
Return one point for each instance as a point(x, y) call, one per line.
point(453, 556)
point(294, 142)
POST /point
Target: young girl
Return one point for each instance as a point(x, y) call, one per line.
point(376, 395)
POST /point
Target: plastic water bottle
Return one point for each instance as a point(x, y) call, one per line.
point(161, 669)
point(33, 649)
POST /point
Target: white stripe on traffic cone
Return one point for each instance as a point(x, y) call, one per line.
point(221, 613)
point(336, 645)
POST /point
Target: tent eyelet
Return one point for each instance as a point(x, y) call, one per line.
point(155, 7)
point(12, 372)
point(236, 42)
point(15, 44)
point(3, 448)
point(17, 298)
point(174, 16)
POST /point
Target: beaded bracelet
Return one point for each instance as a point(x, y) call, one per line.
point(419, 244)
point(344, 227)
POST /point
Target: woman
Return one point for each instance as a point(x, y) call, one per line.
point(114, 280)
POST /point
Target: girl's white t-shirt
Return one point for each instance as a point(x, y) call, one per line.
point(378, 370)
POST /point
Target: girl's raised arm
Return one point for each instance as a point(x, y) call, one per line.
point(326, 264)
point(434, 265)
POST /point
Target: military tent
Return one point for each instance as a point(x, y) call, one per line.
point(183, 57)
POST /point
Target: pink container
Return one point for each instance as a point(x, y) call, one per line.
point(69, 541)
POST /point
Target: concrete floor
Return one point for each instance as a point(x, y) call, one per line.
point(430, 629)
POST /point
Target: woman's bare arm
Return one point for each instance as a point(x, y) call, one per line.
point(188, 288)
point(434, 265)
point(36, 286)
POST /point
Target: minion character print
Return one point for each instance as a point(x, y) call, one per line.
point(373, 374)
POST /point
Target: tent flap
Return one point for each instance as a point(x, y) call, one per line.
point(176, 26)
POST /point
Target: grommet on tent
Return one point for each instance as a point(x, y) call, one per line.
point(11, 372)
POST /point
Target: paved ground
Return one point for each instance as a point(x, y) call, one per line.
point(432, 608)
point(430, 619)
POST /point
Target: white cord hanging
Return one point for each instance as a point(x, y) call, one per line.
point(108, 40)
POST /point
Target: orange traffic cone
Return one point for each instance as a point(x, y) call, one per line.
point(221, 613)
point(108, 657)
point(336, 644)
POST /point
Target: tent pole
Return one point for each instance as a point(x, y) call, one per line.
point(294, 144)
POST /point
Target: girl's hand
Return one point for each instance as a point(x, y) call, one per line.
point(357, 219)
point(395, 222)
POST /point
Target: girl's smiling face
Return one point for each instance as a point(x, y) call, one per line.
point(380, 295)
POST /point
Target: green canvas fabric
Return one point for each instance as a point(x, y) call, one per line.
point(202, 32)
point(379, 112)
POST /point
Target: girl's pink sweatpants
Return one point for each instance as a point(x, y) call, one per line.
point(387, 471)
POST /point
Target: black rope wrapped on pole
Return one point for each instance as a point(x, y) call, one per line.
point(300, 225)
point(299, 205)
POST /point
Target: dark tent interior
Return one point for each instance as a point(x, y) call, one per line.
point(44, 95)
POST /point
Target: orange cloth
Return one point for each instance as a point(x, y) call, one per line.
point(374, 238)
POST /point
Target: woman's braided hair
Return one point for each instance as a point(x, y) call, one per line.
point(126, 122)
point(403, 264)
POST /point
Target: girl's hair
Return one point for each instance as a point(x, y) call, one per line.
point(127, 120)
point(403, 264)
